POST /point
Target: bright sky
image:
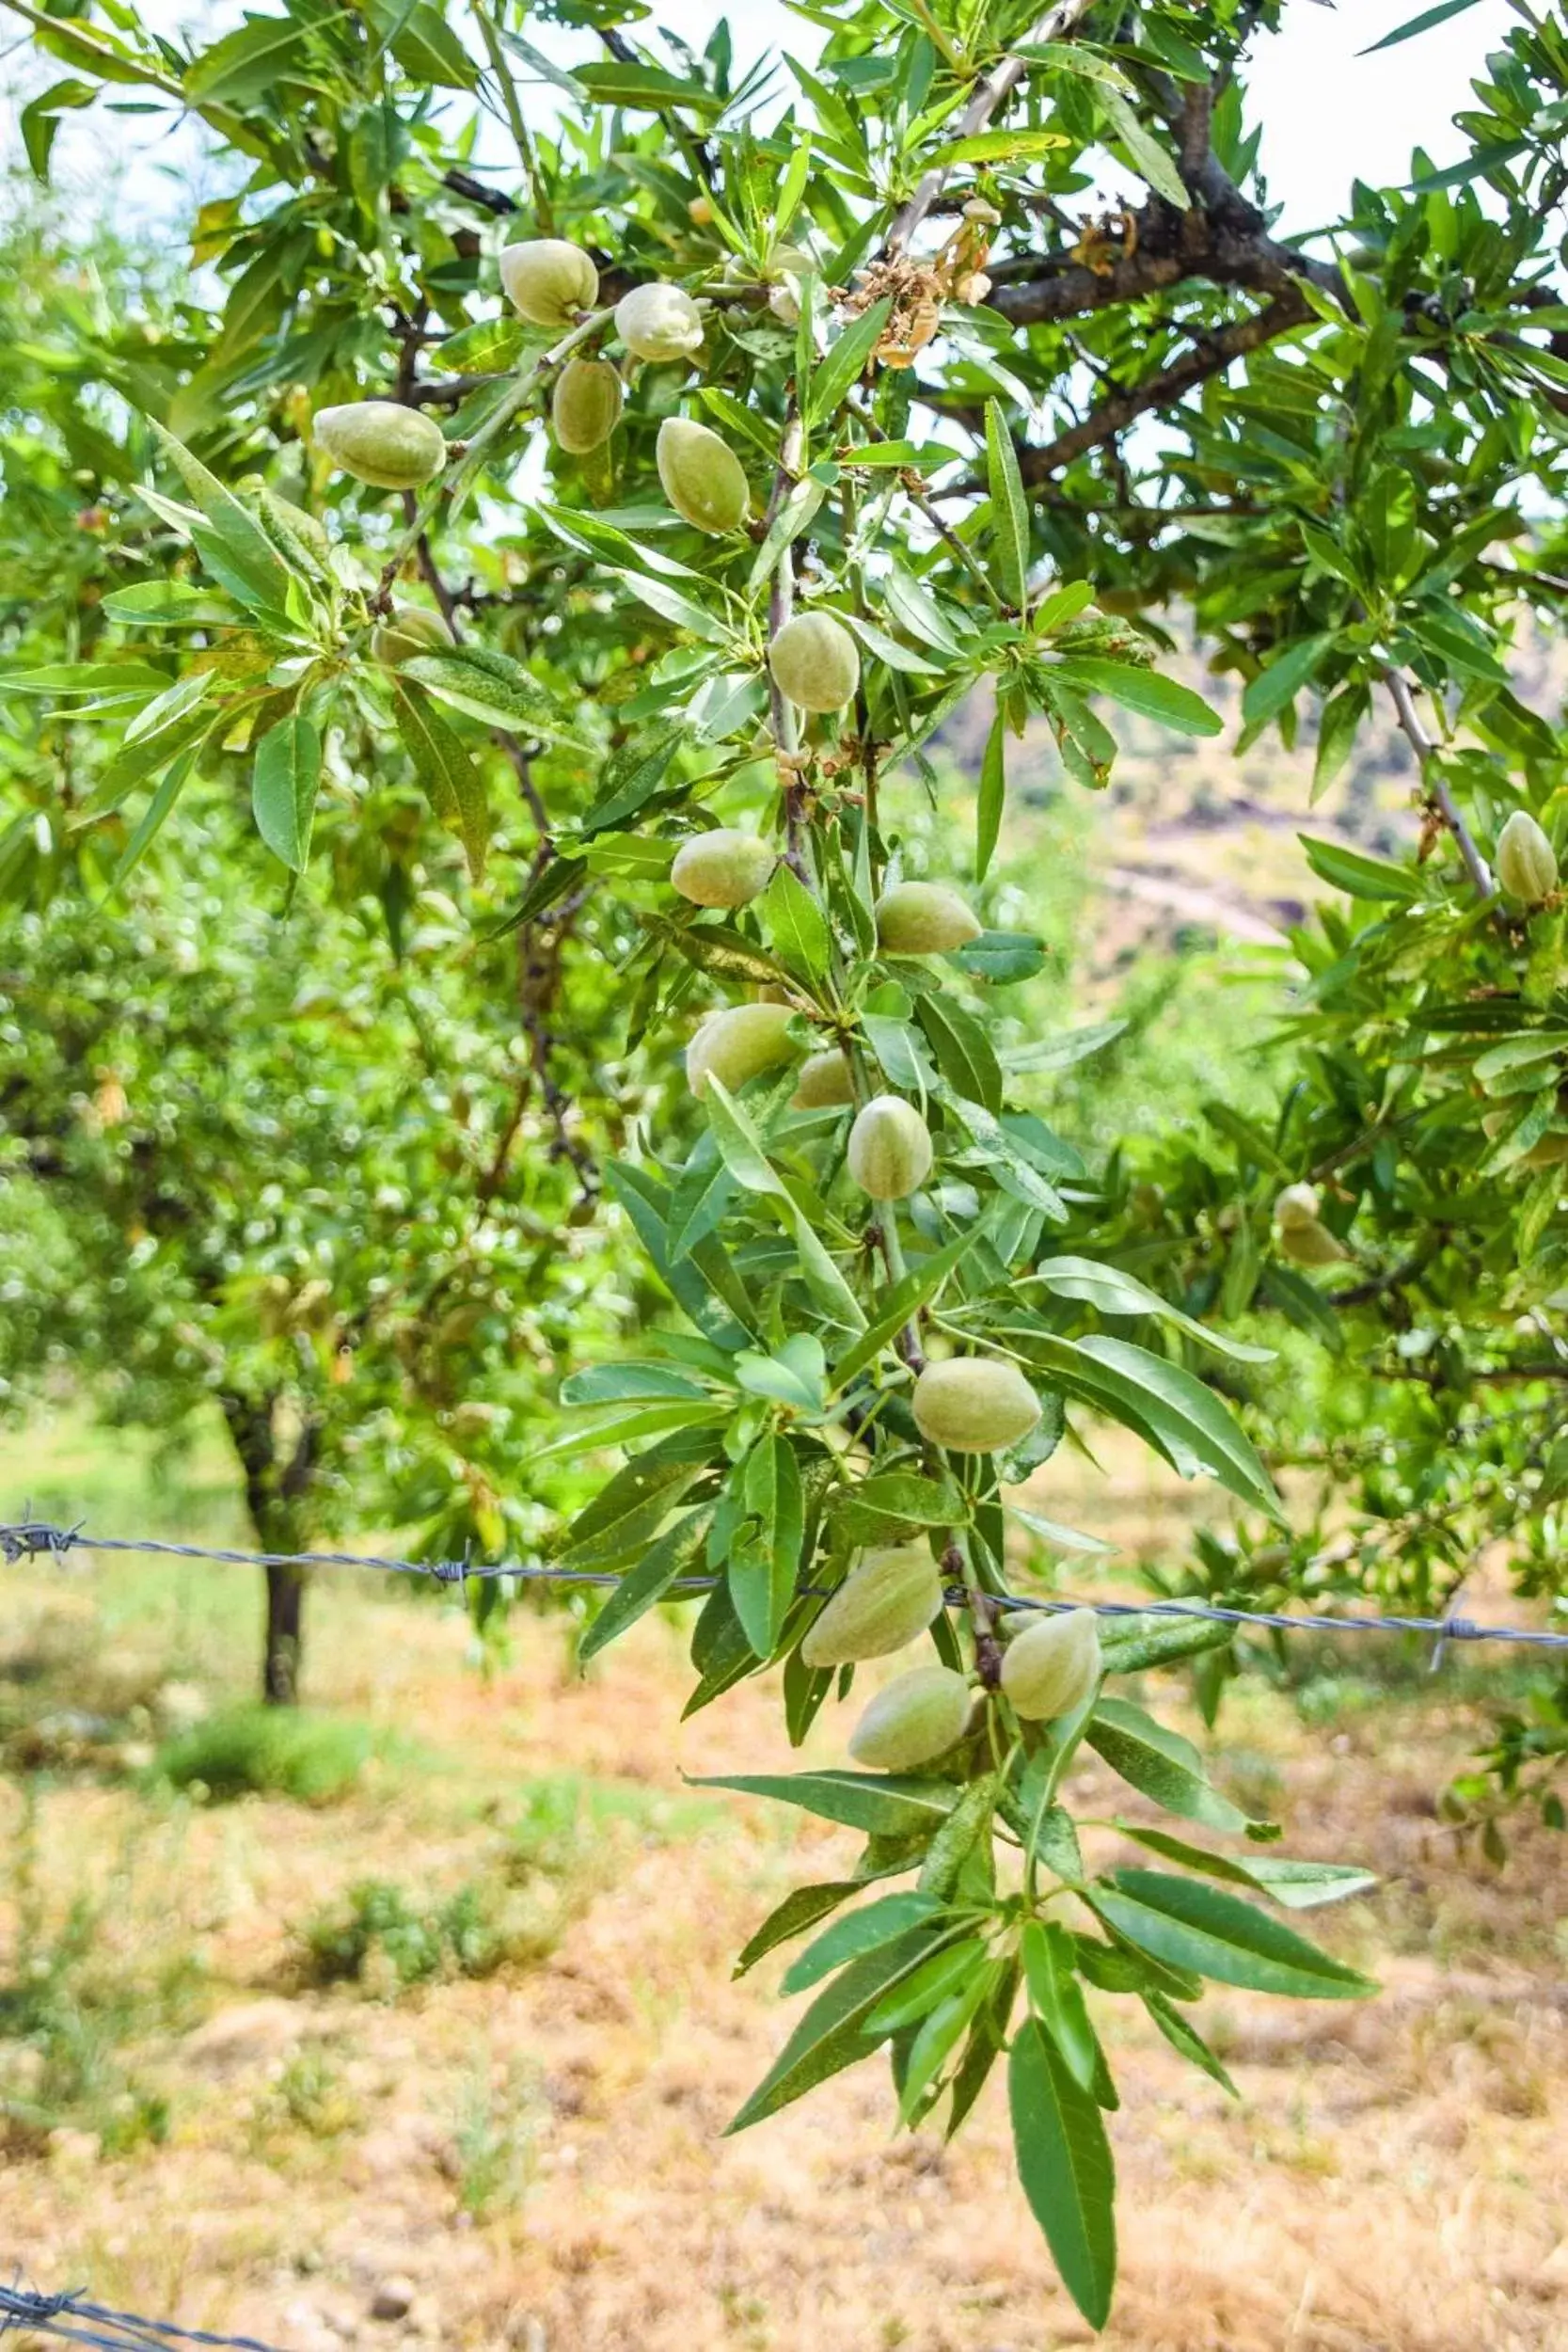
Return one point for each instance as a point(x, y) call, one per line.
point(1327, 112)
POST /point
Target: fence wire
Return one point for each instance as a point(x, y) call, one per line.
point(72, 2317)
point(29, 1538)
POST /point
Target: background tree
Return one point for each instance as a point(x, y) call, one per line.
point(845, 421)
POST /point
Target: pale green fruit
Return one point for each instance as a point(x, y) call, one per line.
point(659, 322)
point(408, 629)
point(816, 662)
point(974, 1405)
point(735, 1045)
point(826, 1082)
point(1053, 1666)
point(919, 1715)
point(381, 442)
point(547, 280)
point(585, 407)
point(703, 480)
point(916, 918)
point(1527, 862)
point(883, 1602)
point(890, 1149)
point(1296, 1205)
point(722, 868)
point(1309, 1242)
point(1549, 1152)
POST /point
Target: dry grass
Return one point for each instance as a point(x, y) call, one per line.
point(533, 2156)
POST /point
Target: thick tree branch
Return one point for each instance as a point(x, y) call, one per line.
point(1210, 357)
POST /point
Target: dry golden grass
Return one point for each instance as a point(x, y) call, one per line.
point(536, 2158)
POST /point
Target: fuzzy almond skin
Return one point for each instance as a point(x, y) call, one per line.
point(1527, 862)
point(1309, 1242)
point(919, 1715)
point(1296, 1205)
point(658, 322)
point(722, 868)
point(585, 407)
point(549, 281)
point(974, 1405)
point(381, 442)
point(735, 1045)
point(826, 1084)
point(816, 662)
point(890, 1149)
point(1053, 1666)
point(916, 918)
point(703, 477)
point(882, 1604)
point(411, 628)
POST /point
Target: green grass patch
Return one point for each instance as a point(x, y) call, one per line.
point(272, 1752)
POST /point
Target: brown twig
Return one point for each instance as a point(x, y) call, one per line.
point(1434, 782)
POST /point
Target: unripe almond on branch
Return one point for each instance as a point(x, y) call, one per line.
point(826, 1082)
point(974, 1405)
point(880, 1606)
point(409, 628)
point(735, 1045)
point(703, 480)
point(916, 918)
point(1296, 1205)
point(816, 662)
point(1311, 1244)
point(1527, 862)
point(722, 868)
point(919, 1715)
point(1053, 1666)
point(659, 322)
point(890, 1149)
point(585, 407)
point(547, 280)
point(381, 442)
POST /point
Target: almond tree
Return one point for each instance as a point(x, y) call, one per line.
point(667, 488)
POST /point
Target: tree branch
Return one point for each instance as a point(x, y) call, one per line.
point(1434, 782)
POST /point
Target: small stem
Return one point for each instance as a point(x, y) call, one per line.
point(982, 1613)
point(780, 604)
point(1434, 782)
point(543, 213)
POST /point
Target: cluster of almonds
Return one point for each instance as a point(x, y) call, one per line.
point(968, 1405)
point(887, 1601)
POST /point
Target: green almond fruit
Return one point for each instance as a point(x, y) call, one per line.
point(916, 918)
point(1309, 1242)
point(585, 407)
point(547, 281)
point(737, 1044)
point(826, 1083)
point(722, 868)
point(658, 322)
point(1527, 862)
point(816, 662)
point(408, 629)
point(919, 1715)
point(1053, 1666)
point(703, 477)
point(890, 1149)
point(882, 1604)
point(1296, 1205)
point(380, 442)
point(974, 1405)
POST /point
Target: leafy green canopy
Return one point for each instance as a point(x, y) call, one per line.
point(924, 364)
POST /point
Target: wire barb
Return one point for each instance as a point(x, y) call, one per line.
point(77, 2321)
point(28, 1538)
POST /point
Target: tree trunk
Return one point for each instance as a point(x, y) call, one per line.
point(272, 1493)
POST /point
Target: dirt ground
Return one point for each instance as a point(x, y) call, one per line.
point(534, 2158)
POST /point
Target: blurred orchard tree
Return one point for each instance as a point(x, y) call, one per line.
point(644, 505)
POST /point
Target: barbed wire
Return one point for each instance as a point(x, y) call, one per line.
point(73, 2317)
point(29, 1538)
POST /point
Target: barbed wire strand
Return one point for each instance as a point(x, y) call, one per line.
point(76, 2320)
point(29, 1538)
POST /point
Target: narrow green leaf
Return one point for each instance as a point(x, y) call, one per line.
point(1064, 2163)
point(1153, 696)
point(860, 1931)
point(1009, 509)
point(845, 360)
point(662, 1565)
point(284, 785)
point(1159, 1764)
point(1189, 1925)
point(832, 2035)
point(883, 1804)
point(992, 794)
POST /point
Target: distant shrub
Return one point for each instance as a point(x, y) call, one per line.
point(268, 1751)
point(375, 1937)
